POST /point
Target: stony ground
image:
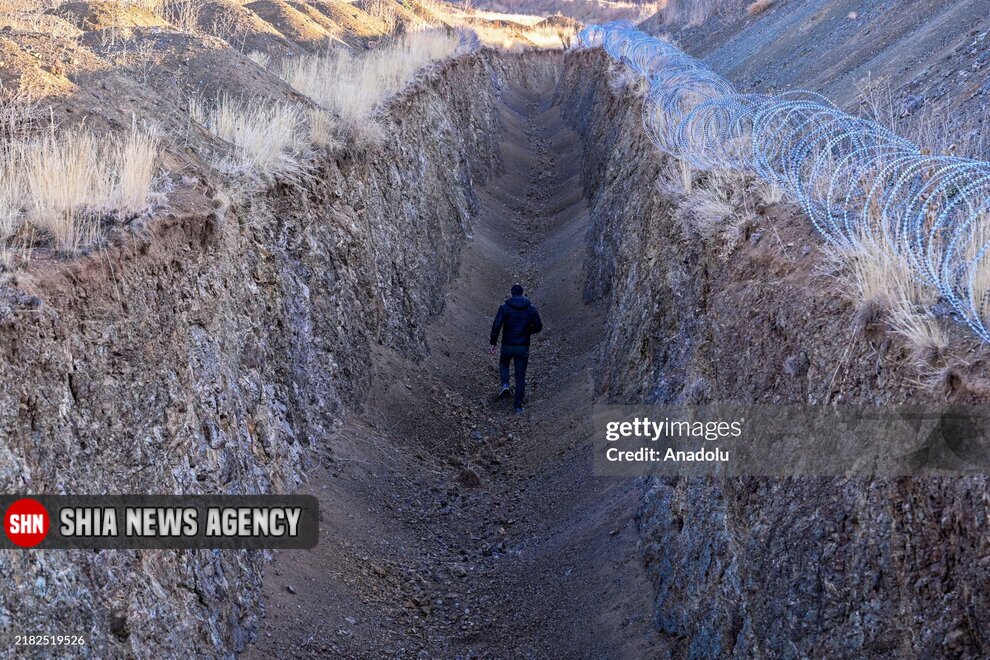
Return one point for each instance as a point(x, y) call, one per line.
point(453, 528)
point(930, 56)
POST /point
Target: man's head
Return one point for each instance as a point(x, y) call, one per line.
point(517, 289)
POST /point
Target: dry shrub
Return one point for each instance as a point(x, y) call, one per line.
point(758, 7)
point(885, 287)
point(623, 79)
point(708, 212)
point(769, 193)
point(259, 58)
point(714, 205)
point(974, 251)
point(224, 22)
point(386, 12)
point(351, 85)
point(9, 195)
point(65, 184)
point(17, 111)
point(183, 14)
point(323, 130)
point(266, 136)
point(937, 129)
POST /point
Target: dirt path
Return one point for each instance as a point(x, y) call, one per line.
point(451, 527)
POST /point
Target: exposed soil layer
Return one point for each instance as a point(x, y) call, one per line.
point(451, 527)
point(430, 561)
point(206, 353)
point(765, 567)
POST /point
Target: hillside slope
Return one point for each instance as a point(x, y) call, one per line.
point(938, 52)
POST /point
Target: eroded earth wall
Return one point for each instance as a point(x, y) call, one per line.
point(207, 353)
point(750, 567)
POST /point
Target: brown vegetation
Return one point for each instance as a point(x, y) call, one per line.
point(759, 7)
point(350, 85)
point(240, 93)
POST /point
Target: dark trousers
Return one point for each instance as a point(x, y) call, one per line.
point(521, 356)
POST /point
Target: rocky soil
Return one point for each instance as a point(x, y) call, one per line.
point(208, 354)
point(813, 567)
point(335, 328)
point(467, 533)
point(930, 55)
point(453, 528)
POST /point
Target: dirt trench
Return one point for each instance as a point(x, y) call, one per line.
point(451, 527)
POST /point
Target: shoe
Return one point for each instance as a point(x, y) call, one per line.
point(504, 391)
point(519, 411)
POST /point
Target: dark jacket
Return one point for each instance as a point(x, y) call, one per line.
point(516, 320)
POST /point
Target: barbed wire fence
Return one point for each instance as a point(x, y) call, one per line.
point(858, 182)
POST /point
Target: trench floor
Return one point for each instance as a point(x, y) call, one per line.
point(538, 558)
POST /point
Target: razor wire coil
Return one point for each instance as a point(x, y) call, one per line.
point(857, 180)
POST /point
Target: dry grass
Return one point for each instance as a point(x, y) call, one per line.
point(275, 139)
point(183, 14)
point(386, 12)
point(971, 253)
point(885, 288)
point(713, 205)
point(521, 19)
point(263, 60)
point(324, 131)
point(37, 21)
point(934, 128)
point(769, 193)
point(135, 157)
point(710, 209)
point(351, 85)
point(364, 134)
point(758, 7)
point(717, 207)
point(623, 79)
point(879, 278)
point(64, 189)
point(515, 40)
point(63, 185)
point(267, 137)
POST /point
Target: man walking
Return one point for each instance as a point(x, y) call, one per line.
point(516, 320)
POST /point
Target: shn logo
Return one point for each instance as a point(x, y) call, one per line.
point(26, 523)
